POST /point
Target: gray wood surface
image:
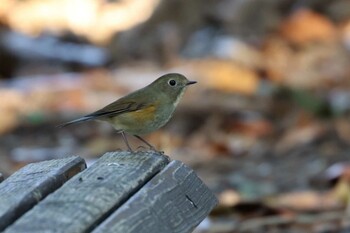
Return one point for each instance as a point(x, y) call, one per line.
point(174, 201)
point(89, 197)
point(32, 183)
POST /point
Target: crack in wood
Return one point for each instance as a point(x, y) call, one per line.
point(190, 200)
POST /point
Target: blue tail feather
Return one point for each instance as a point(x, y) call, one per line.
point(86, 118)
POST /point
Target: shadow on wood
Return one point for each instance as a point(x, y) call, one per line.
point(122, 192)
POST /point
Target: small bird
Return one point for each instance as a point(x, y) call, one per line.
point(142, 111)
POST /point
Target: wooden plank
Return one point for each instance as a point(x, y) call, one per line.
point(89, 197)
point(175, 201)
point(21, 191)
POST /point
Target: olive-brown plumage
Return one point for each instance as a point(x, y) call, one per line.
point(144, 110)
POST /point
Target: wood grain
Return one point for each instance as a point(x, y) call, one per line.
point(32, 183)
point(174, 201)
point(88, 198)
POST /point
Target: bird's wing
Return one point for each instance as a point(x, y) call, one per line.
point(113, 109)
point(117, 108)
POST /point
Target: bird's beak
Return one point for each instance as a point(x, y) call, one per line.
point(190, 83)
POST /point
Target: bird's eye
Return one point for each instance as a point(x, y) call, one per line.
point(172, 82)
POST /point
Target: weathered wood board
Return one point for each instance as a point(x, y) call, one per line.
point(174, 201)
point(88, 198)
point(32, 183)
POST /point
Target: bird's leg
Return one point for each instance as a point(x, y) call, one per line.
point(144, 141)
point(126, 141)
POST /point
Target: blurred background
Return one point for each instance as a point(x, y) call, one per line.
point(267, 126)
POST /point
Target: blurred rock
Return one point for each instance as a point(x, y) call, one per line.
point(337, 170)
point(50, 48)
point(226, 47)
point(223, 47)
point(339, 100)
point(200, 43)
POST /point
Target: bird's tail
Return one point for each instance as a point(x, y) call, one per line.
point(85, 118)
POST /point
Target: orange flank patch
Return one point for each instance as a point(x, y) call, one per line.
point(145, 114)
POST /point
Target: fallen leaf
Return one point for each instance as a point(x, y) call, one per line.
point(305, 201)
point(307, 26)
point(225, 76)
point(229, 198)
point(299, 136)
